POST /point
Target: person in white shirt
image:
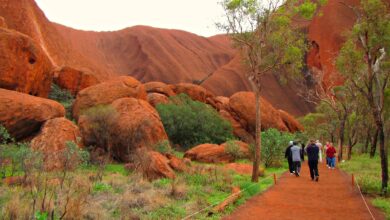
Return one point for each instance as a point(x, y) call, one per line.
point(319, 145)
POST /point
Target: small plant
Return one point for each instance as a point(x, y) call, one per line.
point(163, 147)
point(64, 97)
point(101, 187)
point(5, 137)
point(189, 123)
point(234, 150)
point(274, 144)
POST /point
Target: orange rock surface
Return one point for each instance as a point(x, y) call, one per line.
point(74, 80)
point(156, 98)
point(159, 167)
point(51, 141)
point(24, 66)
point(107, 92)
point(23, 114)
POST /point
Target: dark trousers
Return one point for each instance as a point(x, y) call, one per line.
point(297, 167)
point(313, 166)
point(290, 165)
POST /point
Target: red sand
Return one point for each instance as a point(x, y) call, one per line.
point(333, 197)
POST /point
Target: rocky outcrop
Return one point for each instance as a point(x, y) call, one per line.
point(291, 123)
point(23, 114)
point(159, 87)
point(24, 66)
point(213, 153)
point(156, 98)
point(74, 80)
point(51, 141)
point(159, 167)
point(177, 164)
point(242, 105)
point(195, 92)
point(107, 92)
point(137, 125)
point(3, 24)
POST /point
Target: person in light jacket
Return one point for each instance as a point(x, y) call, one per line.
point(296, 154)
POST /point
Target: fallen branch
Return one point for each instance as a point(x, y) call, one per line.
point(236, 193)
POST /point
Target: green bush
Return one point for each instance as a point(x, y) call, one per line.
point(5, 137)
point(273, 146)
point(64, 97)
point(163, 147)
point(189, 123)
point(233, 149)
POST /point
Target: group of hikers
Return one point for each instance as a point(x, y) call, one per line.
point(295, 154)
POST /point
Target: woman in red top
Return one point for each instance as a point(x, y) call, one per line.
point(330, 153)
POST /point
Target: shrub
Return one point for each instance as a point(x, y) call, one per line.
point(189, 123)
point(64, 97)
point(273, 146)
point(163, 147)
point(234, 150)
point(5, 137)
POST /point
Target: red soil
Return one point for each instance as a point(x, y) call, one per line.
point(333, 197)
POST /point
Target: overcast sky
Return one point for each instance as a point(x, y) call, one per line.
point(196, 16)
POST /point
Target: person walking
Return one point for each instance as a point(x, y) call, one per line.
point(288, 156)
point(331, 154)
point(318, 143)
point(296, 157)
point(312, 151)
point(327, 145)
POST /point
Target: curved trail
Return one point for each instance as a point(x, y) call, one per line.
point(333, 197)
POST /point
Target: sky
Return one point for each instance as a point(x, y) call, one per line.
point(196, 16)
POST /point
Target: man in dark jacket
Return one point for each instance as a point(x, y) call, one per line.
point(312, 151)
point(288, 156)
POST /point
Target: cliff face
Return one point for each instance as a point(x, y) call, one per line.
point(173, 56)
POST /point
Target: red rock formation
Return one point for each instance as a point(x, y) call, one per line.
point(24, 66)
point(51, 141)
point(159, 87)
point(213, 153)
point(291, 123)
point(242, 104)
point(137, 125)
point(107, 92)
point(3, 24)
point(74, 80)
point(156, 98)
point(159, 167)
point(23, 114)
point(195, 92)
point(326, 32)
point(177, 164)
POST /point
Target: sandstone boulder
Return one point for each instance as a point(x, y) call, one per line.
point(291, 123)
point(238, 130)
point(213, 153)
point(159, 167)
point(3, 24)
point(23, 114)
point(177, 164)
point(156, 98)
point(196, 92)
point(159, 87)
point(242, 104)
point(137, 125)
point(74, 80)
point(24, 66)
point(107, 92)
point(51, 141)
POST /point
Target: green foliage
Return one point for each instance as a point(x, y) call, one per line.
point(5, 137)
point(41, 215)
point(307, 9)
point(64, 97)
point(189, 123)
point(75, 155)
point(274, 144)
point(233, 149)
point(163, 147)
point(383, 204)
point(101, 187)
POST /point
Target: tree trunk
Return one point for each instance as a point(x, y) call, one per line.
point(256, 161)
point(349, 149)
point(374, 142)
point(368, 140)
point(341, 138)
point(384, 160)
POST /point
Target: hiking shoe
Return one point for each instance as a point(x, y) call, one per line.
point(317, 178)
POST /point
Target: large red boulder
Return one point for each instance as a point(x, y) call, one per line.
point(238, 130)
point(196, 92)
point(107, 92)
point(213, 153)
point(159, 87)
point(159, 167)
point(23, 114)
point(24, 66)
point(292, 124)
point(74, 80)
point(51, 141)
point(156, 98)
point(137, 125)
point(243, 107)
point(3, 24)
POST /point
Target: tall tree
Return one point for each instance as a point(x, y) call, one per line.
point(263, 32)
point(366, 65)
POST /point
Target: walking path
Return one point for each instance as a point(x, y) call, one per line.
point(333, 197)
